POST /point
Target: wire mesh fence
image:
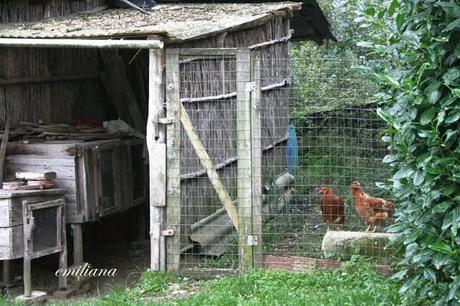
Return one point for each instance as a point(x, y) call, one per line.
point(277, 160)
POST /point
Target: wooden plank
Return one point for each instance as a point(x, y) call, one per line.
point(206, 51)
point(81, 179)
point(3, 146)
point(233, 94)
point(156, 146)
point(62, 243)
point(77, 244)
point(80, 43)
point(47, 79)
point(256, 159)
point(36, 176)
point(173, 138)
point(157, 202)
point(28, 247)
point(6, 274)
point(40, 160)
point(243, 117)
point(206, 162)
point(62, 172)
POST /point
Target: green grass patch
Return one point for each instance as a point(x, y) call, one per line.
point(356, 283)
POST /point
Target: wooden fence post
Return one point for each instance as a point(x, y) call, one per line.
point(173, 209)
point(157, 159)
point(256, 159)
point(243, 118)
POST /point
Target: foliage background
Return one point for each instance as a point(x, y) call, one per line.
point(420, 91)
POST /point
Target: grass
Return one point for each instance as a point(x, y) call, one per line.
point(356, 283)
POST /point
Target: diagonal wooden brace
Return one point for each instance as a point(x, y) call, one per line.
point(209, 167)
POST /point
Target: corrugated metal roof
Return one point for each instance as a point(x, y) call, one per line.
point(178, 22)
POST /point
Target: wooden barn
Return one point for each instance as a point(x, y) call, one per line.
point(71, 69)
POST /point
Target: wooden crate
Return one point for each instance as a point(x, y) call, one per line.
point(97, 175)
point(11, 219)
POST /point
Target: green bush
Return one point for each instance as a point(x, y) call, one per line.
point(420, 96)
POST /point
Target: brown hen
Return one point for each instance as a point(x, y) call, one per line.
point(373, 210)
point(332, 207)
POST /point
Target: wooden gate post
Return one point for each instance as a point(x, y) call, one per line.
point(157, 159)
point(173, 209)
point(244, 178)
point(256, 159)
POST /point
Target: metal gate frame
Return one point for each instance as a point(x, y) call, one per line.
point(247, 218)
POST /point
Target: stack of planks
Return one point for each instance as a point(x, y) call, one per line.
point(31, 181)
point(41, 132)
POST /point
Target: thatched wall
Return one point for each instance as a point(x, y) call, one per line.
point(215, 121)
point(31, 10)
point(53, 85)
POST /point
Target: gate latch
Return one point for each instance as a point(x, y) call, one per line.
point(250, 86)
point(251, 240)
point(167, 232)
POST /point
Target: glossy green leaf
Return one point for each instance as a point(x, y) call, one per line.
point(427, 116)
point(453, 25)
point(441, 247)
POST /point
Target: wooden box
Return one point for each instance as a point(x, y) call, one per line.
point(11, 219)
point(97, 175)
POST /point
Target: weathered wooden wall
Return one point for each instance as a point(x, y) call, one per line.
point(31, 10)
point(53, 85)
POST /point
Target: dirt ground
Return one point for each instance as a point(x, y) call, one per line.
point(129, 264)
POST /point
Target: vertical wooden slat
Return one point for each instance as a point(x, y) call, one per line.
point(63, 243)
point(27, 233)
point(173, 209)
point(243, 117)
point(157, 159)
point(77, 244)
point(256, 162)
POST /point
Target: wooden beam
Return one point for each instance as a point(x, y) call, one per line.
point(229, 95)
point(207, 164)
point(229, 161)
point(61, 224)
point(272, 42)
point(3, 147)
point(77, 234)
point(173, 139)
point(157, 160)
point(27, 240)
point(48, 79)
point(256, 159)
point(244, 178)
point(80, 43)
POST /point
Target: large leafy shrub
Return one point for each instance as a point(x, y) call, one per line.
point(421, 103)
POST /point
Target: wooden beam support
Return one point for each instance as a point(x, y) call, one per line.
point(77, 234)
point(80, 43)
point(156, 137)
point(48, 79)
point(173, 139)
point(256, 159)
point(244, 177)
point(207, 164)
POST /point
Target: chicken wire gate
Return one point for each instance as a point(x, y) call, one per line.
point(249, 146)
